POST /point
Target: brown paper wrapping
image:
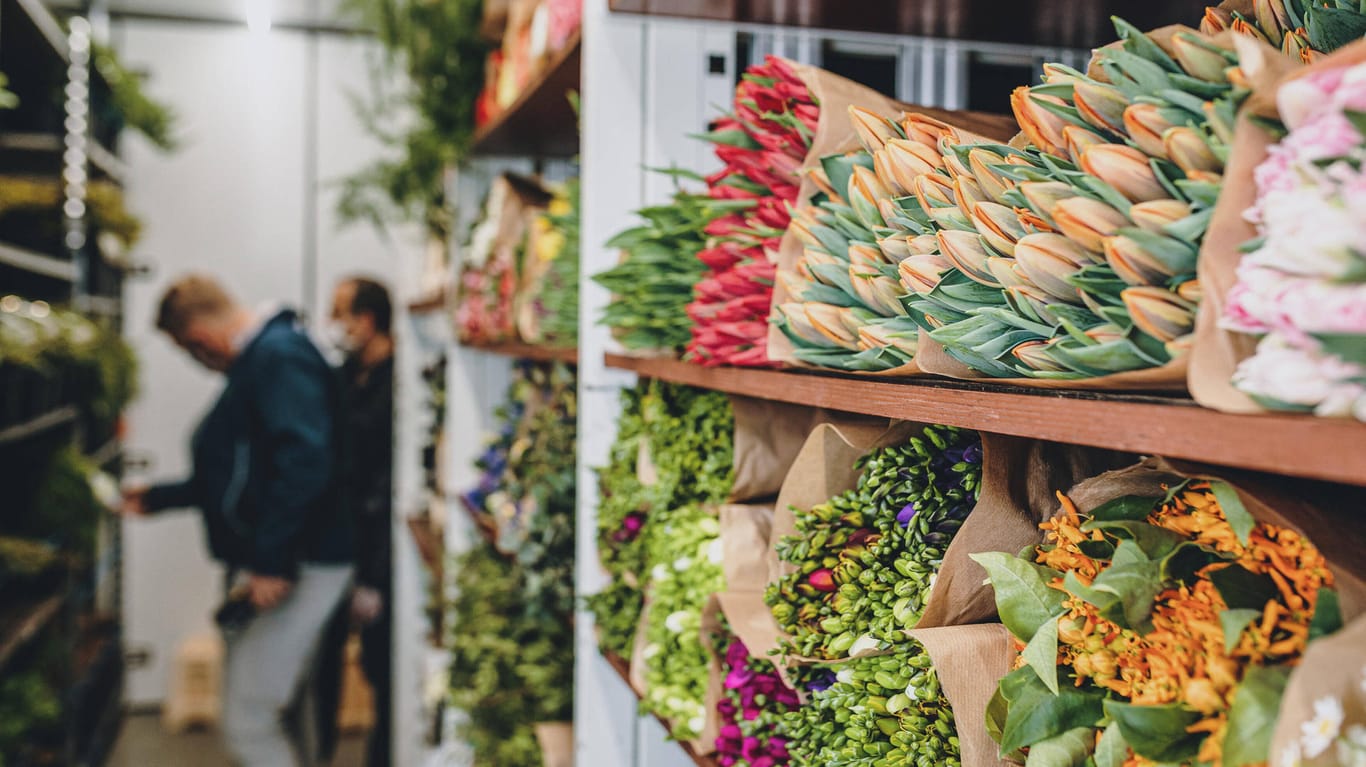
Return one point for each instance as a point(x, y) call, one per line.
point(1333, 668)
point(768, 436)
point(638, 675)
point(970, 662)
point(1019, 478)
point(712, 628)
point(1217, 351)
point(556, 740)
point(1325, 514)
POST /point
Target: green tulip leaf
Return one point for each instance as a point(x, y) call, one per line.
point(1068, 749)
point(734, 137)
point(1042, 654)
point(1023, 597)
point(1157, 732)
point(1347, 346)
point(1252, 717)
point(1112, 750)
point(1332, 28)
point(1234, 622)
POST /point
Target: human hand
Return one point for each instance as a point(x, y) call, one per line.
point(134, 501)
point(268, 591)
point(366, 605)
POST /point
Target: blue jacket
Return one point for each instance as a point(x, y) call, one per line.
point(263, 459)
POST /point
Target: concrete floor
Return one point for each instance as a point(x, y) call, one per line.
point(143, 743)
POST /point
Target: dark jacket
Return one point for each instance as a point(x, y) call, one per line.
point(263, 456)
point(366, 482)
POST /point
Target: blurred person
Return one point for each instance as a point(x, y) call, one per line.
point(361, 318)
point(262, 463)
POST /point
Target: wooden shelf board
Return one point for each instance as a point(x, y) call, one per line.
point(623, 669)
point(1286, 444)
point(38, 424)
point(26, 622)
point(38, 263)
point(541, 122)
point(521, 351)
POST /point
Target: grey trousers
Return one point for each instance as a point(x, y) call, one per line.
point(266, 667)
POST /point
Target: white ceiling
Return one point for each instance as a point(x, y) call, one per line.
point(283, 12)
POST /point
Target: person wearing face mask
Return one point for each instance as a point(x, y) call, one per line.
point(263, 459)
point(360, 329)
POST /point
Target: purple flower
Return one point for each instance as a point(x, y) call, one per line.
point(822, 682)
point(731, 732)
point(739, 678)
point(973, 453)
point(906, 514)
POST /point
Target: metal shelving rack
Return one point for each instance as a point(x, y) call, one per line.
point(47, 59)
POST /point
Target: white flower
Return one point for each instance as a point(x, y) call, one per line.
point(863, 645)
point(1290, 755)
point(682, 564)
point(697, 723)
point(709, 526)
point(912, 691)
point(677, 622)
point(716, 553)
point(1317, 734)
point(651, 650)
point(845, 676)
point(1352, 747)
point(659, 573)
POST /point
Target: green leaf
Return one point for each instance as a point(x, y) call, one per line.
point(1036, 714)
point(1188, 559)
point(733, 137)
point(1022, 594)
point(1252, 717)
point(1242, 588)
point(1234, 622)
point(1327, 615)
point(1239, 518)
point(1112, 750)
point(1348, 346)
point(1135, 581)
point(1157, 732)
point(997, 709)
point(1068, 749)
point(1357, 119)
point(1127, 508)
point(1332, 28)
point(1042, 654)
point(1156, 542)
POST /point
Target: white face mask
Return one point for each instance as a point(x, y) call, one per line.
point(337, 338)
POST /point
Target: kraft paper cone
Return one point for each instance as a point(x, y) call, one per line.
point(970, 662)
point(556, 740)
point(768, 436)
point(1019, 478)
point(1325, 514)
point(1333, 669)
point(638, 674)
point(713, 630)
point(1217, 351)
point(745, 532)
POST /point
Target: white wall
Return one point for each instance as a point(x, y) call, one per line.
point(244, 198)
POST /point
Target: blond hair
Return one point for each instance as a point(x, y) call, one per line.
point(190, 298)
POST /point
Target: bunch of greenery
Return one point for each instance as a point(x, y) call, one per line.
point(138, 111)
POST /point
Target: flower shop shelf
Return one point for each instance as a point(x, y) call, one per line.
point(21, 623)
point(1293, 445)
point(541, 122)
point(1034, 22)
point(623, 669)
point(37, 263)
point(522, 351)
point(38, 424)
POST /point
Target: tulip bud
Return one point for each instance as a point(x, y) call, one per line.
point(1006, 272)
point(1247, 29)
point(1088, 222)
point(1145, 124)
point(793, 283)
point(907, 159)
point(998, 225)
point(1155, 215)
point(865, 189)
point(1100, 105)
point(813, 257)
point(822, 182)
point(1047, 260)
point(873, 130)
point(882, 167)
point(1272, 18)
point(1180, 346)
point(1078, 139)
point(896, 248)
point(1190, 291)
point(1159, 312)
point(1035, 356)
point(1132, 263)
point(1294, 44)
point(1059, 74)
point(1042, 127)
point(1189, 150)
point(1105, 333)
point(852, 320)
point(924, 129)
point(801, 225)
point(822, 580)
point(934, 190)
point(1124, 168)
point(1200, 58)
point(967, 193)
point(829, 322)
point(1216, 20)
point(1043, 196)
point(799, 324)
point(968, 253)
point(920, 273)
point(992, 183)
